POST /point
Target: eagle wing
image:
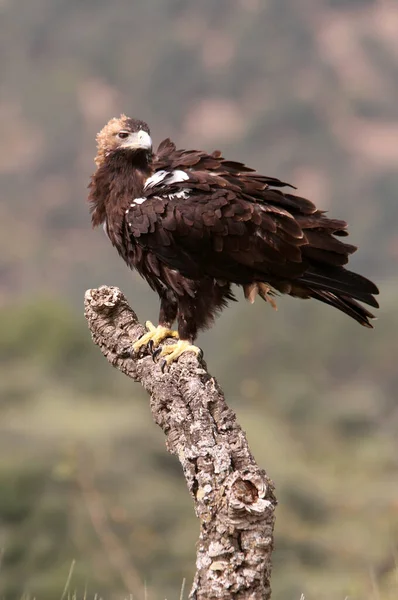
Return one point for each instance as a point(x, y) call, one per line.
point(204, 216)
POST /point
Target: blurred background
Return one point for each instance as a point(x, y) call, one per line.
point(304, 90)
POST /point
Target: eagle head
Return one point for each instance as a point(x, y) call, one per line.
point(123, 133)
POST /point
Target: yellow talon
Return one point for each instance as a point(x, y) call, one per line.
point(154, 335)
point(172, 352)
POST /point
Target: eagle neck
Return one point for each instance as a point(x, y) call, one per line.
point(129, 171)
point(117, 182)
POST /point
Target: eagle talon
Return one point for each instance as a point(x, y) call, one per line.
point(153, 337)
point(172, 352)
point(156, 352)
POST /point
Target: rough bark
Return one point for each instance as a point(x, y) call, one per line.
point(233, 497)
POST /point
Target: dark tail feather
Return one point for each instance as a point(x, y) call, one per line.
point(343, 285)
point(346, 304)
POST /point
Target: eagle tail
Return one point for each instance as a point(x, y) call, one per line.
point(344, 290)
point(342, 281)
point(347, 305)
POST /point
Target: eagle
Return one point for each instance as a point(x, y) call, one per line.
point(193, 224)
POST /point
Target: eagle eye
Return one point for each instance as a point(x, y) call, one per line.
point(123, 135)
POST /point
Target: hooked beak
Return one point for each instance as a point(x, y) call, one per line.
point(139, 140)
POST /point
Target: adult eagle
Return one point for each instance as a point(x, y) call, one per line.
point(192, 224)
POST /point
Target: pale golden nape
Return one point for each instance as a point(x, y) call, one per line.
point(106, 138)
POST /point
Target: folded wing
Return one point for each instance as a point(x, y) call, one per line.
point(208, 217)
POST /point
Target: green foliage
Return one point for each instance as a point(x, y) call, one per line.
point(311, 440)
point(36, 330)
point(46, 336)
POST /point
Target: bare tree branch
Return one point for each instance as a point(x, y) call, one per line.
point(233, 497)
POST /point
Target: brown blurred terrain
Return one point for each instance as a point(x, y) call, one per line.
point(304, 90)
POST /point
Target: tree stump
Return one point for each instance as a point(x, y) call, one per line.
point(234, 499)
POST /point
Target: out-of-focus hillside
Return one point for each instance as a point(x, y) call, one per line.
point(304, 90)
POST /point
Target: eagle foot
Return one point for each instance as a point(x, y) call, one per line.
point(172, 352)
point(154, 336)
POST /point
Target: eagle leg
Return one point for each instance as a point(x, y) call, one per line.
point(155, 336)
point(172, 352)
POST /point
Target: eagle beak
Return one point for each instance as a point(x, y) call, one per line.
point(139, 140)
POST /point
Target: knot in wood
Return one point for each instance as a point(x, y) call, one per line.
point(246, 497)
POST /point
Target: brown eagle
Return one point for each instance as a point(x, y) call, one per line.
point(192, 224)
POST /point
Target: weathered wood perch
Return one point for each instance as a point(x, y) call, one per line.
point(233, 497)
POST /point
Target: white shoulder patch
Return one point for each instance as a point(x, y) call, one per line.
point(178, 176)
point(139, 200)
point(155, 179)
point(168, 177)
